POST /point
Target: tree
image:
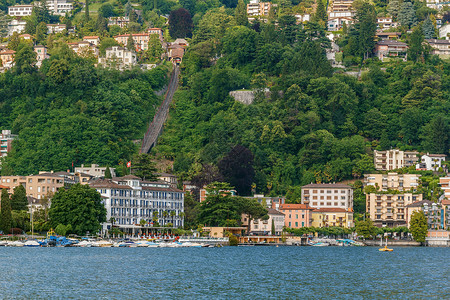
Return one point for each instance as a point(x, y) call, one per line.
point(320, 15)
point(418, 226)
point(237, 169)
point(86, 11)
point(407, 15)
point(429, 31)
point(155, 49)
point(3, 24)
point(180, 23)
point(144, 167)
point(14, 41)
point(394, 8)
point(101, 24)
point(416, 50)
point(80, 206)
point(106, 10)
point(253, 209)
point(108, 173)
point(25, 59)
point(273, 227)
point(19, 198)
point(366, 229)
point(130, 43)
point(5, 213)
point(106, 43)
point(41, 31)
point(128, 8)
point(436, 135)
point(220, 206)
point(240, 13)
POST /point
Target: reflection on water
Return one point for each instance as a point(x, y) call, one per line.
point(229, 272)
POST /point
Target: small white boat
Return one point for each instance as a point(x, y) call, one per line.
point(31, 243)
point(15, 244)
point(320, 244)
point(84, 244)
point(102, 243)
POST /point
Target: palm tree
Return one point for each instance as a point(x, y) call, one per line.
point(173, 214)
point(155, 217)
point(165, 215)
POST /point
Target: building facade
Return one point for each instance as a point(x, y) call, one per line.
point(37, 186)
point(330, 217)
point(140, 40)
point(118, 58)
point(16, 26)
point(387, 49)
point(440, 48)
point(389, 209)
point(394, 159)
point(128, 200)
point(95, 170)
point(122, 22)
point(41, 55)
point(296, 215)
point(392, 181)
point(256, 8)
point(432, 211)
point(431, 162)
point(6, 139)
point(264, 227)
point(444, 182)
point(328, 196)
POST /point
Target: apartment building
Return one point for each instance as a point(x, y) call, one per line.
point(392, 181)
point(41, 54)
point(95, 170)
point(56, 7)
point(431, 162)
point(204, 194)
point(94, 40)
point(84, 49)
point(264, 227)
point(445, 203)
point(296, 215)
point(118, 58)
point(158, 32)
point(394, 159)
point(122, 22)
point(256, 8)
point(340, 12)
point(445, 186)
point(37, 186)
point(328, 217)
point(328, 195)
point(140, 40)
point(389, 210)
point(170, 178)
point(16, 26)
point(6, 139)
point(431, 210)
point(7, 58)
point(56, 28)
point(128, 200)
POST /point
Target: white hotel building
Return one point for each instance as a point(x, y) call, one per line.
point(129, 200)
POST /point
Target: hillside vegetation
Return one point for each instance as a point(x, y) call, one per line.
point(69, 111)
point(317, 124)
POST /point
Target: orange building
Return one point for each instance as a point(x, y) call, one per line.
point(296, 215)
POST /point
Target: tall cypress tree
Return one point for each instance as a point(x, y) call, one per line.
point(321, 13)
point(240, 13)
point(5, 214)
point(429, 31)
point(130, 43)
point(108, 173)
point(19, 198)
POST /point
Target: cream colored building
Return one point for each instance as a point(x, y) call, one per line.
point(445, 186)
point(118, 58)
point(140, 40)
point(328, 217)
point(95, 170)
point(328, 195)
point(257, 8)
point(260, 226)
point(36, 186)
point(389, 210)
point(394, 159)
point(392, 181)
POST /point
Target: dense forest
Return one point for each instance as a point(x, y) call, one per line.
point(315, 124)
point(69, 111)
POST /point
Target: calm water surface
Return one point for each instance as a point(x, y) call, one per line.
point(225, 273)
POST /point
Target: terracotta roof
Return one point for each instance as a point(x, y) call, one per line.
point(159, 189)
point(46, 174)
point(134, 34)
point(435, 41)
point(8, 52)
point(3, 187)
point(294, 206)
point(445, 202)
point(420, 203)
point(330, 209)
point(107, 183)
point(91, 37)
point(177, 53)
point(272, 211)
point(327, 185)
point(436, 155)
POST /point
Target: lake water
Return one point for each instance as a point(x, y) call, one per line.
point(225, 273)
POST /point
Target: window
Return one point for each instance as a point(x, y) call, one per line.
point(296, 216)
point(296, 224)
point(303, 224)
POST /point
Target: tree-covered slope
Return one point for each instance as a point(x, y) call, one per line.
point(70, 111)
point(316, 125)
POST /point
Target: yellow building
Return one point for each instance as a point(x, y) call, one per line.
point(220, 232)
point(327, 217)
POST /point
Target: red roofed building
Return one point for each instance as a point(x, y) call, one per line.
point(296, 215)
point(140, 40)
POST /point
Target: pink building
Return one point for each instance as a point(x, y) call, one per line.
point(140, 40)
point(296, 215)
